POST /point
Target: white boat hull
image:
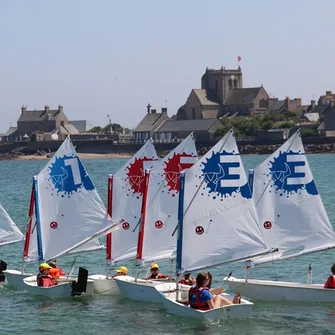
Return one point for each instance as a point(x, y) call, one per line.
point(268, 290)
point(142, 290)
point(15, 279)
point(242, 310)
point(104, 285)
point(61, 290)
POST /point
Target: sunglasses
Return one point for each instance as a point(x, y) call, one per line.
point(154, 269)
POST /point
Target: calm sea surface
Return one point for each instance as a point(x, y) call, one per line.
point(23, 314)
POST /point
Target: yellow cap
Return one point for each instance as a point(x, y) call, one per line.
point(45, 266)
point(122, 269)
point(154, 266)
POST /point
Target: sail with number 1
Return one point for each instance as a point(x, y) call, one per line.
point(69, 214)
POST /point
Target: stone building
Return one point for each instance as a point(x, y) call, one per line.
point(32, 121)
point(222, 93)
point(152, 120)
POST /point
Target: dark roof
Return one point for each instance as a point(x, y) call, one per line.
point(10, 131)
point(148, 122)
point(82, 125)
point(242, 96)
point(40, 115)
point(206, 97)
point(275, 106)
point(330, 110)
point(186, 125)
point(320, 109)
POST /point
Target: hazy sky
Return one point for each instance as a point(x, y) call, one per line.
point(104, 56)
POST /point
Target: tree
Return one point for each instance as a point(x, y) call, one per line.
point(97, 129)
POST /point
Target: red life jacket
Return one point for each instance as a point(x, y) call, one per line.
point(196, 292)
point(158, 276)
point(45, 280)
point(330, 283)
point(186, 282)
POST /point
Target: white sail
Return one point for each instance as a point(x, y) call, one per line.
point(290, 210)
point(128, 184)
point(69, 208)
point(219, 220)
point(9, 232)
point(162, 204)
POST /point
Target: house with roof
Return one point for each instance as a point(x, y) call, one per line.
point(40, 121)
point(203, 129)
point(329, 120)
point(246, 101)
point(276, 106)
point(82, 126)
point(10, 135)
point(148, 125)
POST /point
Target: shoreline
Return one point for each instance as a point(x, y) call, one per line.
point(244, 150)
point(46, 157)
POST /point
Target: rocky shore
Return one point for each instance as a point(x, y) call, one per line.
point(18, 154)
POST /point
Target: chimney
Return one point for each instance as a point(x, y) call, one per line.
point(328, 93)
point(46, 108)
point(23, 109)
point(297, 102)
point(287, 103)
point(312, 103)
point(164, 110)
point(60, 109)
point(153, 111)
point(148, 108)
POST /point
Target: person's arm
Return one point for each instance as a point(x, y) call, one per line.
point(217, 290)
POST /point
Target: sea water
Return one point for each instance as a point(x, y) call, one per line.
point(23, 314)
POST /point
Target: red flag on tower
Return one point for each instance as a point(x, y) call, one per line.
point(239, 58)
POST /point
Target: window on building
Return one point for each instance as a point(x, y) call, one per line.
point(216, 85)
point(235, 83)
point(230, 84)
point(263, 103)
point(193, 113)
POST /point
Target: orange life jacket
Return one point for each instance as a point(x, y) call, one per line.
point(194, 295)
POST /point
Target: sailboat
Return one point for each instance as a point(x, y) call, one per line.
point(69, 214)
point(125, 192)
point(30, 250)
point(159, 217)
point(292, 218)
point(217, 224)
point(9, 233)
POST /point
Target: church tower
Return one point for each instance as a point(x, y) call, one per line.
point(222, 81)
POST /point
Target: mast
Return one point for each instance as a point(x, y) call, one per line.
point(143, 212)
point(180, 229)
point(28, 229)
point(38, 219)
point(109, 211)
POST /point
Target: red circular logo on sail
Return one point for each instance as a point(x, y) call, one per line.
point(125, 225)
point(199, 230)
point(53, 225)
point(159, 224)
point(173, 167)
point(267, 225)
point(135, 175)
